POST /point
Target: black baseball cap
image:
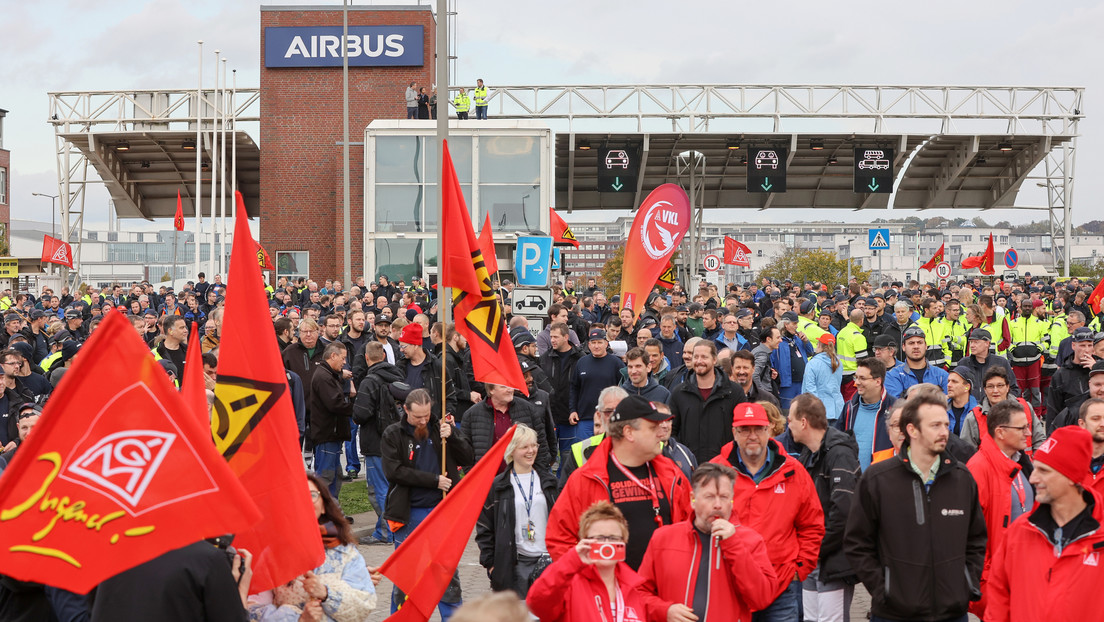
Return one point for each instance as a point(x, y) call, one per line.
point(636, 407)
point(596, 334)
point(884, 341)
point(1082, 334)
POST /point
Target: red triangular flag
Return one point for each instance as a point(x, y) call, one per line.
point(562, 235)
point(56, 251)
point(936, 259)
point(263, 258)
point(479, 315)
point(423, 566)
point(193, 386)
point(178, 221)
point(1097, 297)
point(667, 279)
point(254, 427)
point(736, 254)
point(983, 262)
point(486, 244)
point(124, 464)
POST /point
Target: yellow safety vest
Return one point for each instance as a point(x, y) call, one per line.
point(462, 103)
point(933, 335)
point(480, 94)
point(850, 347)
point(996, 332)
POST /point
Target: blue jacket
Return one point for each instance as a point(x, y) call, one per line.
point(653, 391)
point(780, 359)
point(899, 379)
point(824, 383)
point(956, 423)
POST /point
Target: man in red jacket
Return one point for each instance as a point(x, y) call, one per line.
point(1050, 565)
point(1001, 470)
point(629, 469)
point(707, 567)
point(775, 496)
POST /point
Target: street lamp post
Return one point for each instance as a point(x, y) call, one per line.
point(849, 240)
point(53, 199)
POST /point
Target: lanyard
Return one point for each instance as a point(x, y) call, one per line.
point(1018, 486)
point(650, 488)
point(528, 500)
point(617, 607)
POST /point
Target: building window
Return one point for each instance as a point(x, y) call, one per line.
point(3, 186)
point(404, 258)
point(406, 181)
point(292, 264)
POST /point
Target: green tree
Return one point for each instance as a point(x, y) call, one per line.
point(1083, 271)
point(800, 265)
point(609, 279)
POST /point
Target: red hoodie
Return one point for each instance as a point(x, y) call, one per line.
point(590, 483)
point(571, 591)
point(741, 577)
point(784, 509)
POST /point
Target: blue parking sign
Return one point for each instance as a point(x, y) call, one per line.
point(533, 260)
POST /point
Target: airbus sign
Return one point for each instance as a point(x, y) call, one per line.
point(368, 46)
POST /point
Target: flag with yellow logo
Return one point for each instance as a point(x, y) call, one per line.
point(478, 315)
point(116, 471)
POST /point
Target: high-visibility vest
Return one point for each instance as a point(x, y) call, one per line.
point(480, 94)
point(996, 331)
point(462, 102)
point(578, 450)
point(933, 335)
point(810, 328)
point(1027, 339)
point(1055, 333)
point(955, 334)
point(850, 347)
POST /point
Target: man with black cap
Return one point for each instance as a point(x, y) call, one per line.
point(1049, 566)
point(806, 321)
point(74, 327)
point(885, 350)
point(790, 359)
point(628, 468)
point(13, 325)
point(980, 358)
point(593, 372)
point(960, 397)
point(35, 332)
point(917, 368)
point(382, 330)
point(525, 345)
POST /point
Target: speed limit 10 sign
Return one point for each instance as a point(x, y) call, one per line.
point(712, 263)
point(943, 270)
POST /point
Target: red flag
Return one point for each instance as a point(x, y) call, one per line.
point(479, 316)
point(423, 566)
point(660, 224)
point(116, 472)
point(1097, 297)
point(193, 386)
point(562, 235)
point(178, 221)
point(263, 259)
point(486, 244)
point(667, 279)
point(936, 259)
point(736, 254)
point(56, 251)
point(983, 262)
point(254, 427)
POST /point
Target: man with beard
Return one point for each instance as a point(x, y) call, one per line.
point(411, 455)
point(775, 496)
point(743, 374)
point(917, 368)
point(702, 405)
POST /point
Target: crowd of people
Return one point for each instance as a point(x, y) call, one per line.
point(749, 453)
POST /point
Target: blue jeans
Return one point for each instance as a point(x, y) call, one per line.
point(481, 112)
point(352, 456)
point(411, 113)
point(446, 609)
point(377, 487)
point(566, 435)
point(327, 465)
point(785, 608)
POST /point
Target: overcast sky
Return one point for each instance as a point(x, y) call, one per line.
point(72, 45)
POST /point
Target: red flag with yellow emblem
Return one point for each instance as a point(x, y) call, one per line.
point(116, 472)
point(178, 220)
point(479, 316)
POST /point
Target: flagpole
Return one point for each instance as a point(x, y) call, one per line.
point(198, 202)
point(222, 182)
point(444, 294)
point(216, 104)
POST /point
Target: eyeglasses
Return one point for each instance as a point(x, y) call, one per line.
point(315, 495)
point(1000, 385)
point(607, 538)
point(1024, 429)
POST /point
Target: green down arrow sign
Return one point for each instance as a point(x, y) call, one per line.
point(617, 185)
point(766, 184)
point(873, 185)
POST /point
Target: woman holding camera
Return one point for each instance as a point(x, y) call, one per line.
point(342, 589)
point(510, 531)
point(592, 581)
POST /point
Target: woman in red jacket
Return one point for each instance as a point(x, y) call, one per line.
point(581, 588)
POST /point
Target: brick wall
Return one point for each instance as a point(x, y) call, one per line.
point(301, 132)
point(5, 209)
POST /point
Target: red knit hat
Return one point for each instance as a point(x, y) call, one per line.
point(412, 334)
point(1068, 451)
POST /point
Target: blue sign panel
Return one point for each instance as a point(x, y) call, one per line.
point(533, 260)
point(1011, 258)
point(555, 258)
point(879, 239)
point(320, 46)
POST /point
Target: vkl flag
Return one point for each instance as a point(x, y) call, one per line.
point(660, 224)
point(479, 316)
point(562, 235)
point(486, 244)
point(178, 221)
point(1097, 297)
point(736, 254)
point(263, 259)
point(423, 566)
point(56, 251)
point(193, 387)
point(254, 427)
point(117, 472)
point(667, 279)
point(983, 262)
point(936, 259)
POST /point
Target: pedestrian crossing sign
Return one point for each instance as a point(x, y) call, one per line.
point(879, 239)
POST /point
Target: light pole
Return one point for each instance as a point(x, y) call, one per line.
point(53, 199)
point(849, 241)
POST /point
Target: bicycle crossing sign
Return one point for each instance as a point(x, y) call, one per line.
point(879, 239)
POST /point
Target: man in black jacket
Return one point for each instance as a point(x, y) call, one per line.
point(374, 410)
point(703, 405)
point(489, 420)
point(558, 363)
point(1071, 381)
point(411, 455)
point(832, 459)
point(422, 370)
point(916, 534)
point(330, 409)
